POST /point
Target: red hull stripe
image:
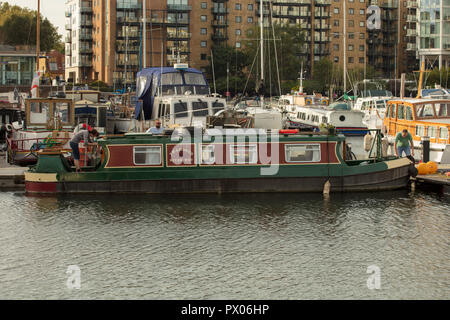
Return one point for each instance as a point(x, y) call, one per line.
point(40, 187)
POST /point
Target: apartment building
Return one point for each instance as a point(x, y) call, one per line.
point(78, 41)
point(105, 38)
point(433, 26)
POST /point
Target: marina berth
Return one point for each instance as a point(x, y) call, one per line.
point(220, 161)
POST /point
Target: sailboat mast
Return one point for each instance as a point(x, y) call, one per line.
point(38, 35)
point(345, 47)
point(144, 31)
point(261, 26)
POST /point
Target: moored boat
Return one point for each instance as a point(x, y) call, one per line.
point(219, 161)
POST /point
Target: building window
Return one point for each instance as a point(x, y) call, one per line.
point(203, 31)
point(204, 5)
point(361, 35)
point(336, 35)
point(361, 47)
point(238, 44)
point(361, 23)
point(250, 19)
point(362, 11)
point(443, 133)
point(336, 23)
point(203, 56)
point(351, 11)
point(238, 6)
point(238, 19)
point(203, 18)
point(361, 60)
point(351, 35)
point(302, 152)
point(203, 44)
point(238, 32)
point(350, 59)
point(350, 47)
point(336, 10)
point(250, 7)
point(335, 47)
point(351, 23)
point(147, 155)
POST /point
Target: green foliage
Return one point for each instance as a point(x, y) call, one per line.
point(286, 50)
point(18, 27)
point(437, 76)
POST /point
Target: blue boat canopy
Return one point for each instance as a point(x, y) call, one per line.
point(152, 82)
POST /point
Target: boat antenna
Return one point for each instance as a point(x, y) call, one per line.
point(214, 75)
point(261, 25)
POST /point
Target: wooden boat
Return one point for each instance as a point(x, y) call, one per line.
point(49, 122)
point(219, 161)
point(421, 117)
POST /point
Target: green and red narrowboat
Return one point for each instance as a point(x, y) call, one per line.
point(219, 161)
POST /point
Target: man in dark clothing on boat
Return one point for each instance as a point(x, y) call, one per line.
point(404, 143)
point(88, 138)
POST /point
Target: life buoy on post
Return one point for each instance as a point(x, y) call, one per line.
point(324, 102)
point(368, 139)
point(308, 101)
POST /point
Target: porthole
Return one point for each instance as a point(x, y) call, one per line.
point(342, 118)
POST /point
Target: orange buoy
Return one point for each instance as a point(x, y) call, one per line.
point(422, 168)
point(432, 167)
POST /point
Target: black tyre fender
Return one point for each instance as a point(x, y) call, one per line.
point(412, 170)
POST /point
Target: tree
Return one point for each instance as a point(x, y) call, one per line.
point(18, 27)
point(283, 55)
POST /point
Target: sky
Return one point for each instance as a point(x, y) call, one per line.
point(53, 10)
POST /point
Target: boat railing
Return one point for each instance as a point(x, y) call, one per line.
point(18, 145)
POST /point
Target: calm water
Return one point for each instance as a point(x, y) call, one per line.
point(263, 246)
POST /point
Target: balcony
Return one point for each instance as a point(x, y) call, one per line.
point(178, 8)
point(411, 33)
point(86, 23)
point(218, 23)
point(411, 47)
point(85, 9)
point(220, 10)
point(68, 26)
point(128, 20)
point(322, 2)
point(219, 37)
point(412, 4)
point(123, 63)
point(323, 26)
point(85, 63)
point(411, 18)
point(85, 36)
point(85, 50)
point(178, 35)
point(321, 39)
point(130, 49)
point(68, 38)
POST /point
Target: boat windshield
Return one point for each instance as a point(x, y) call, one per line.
point(381, 104)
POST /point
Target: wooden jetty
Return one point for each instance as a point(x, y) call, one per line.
point(438, 180)
point(12, 178)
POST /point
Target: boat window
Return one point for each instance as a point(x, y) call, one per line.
point(39, 113)
point(324, 120)
point(160, 110)
point(62, 111)
point(432, 132)
point(208, 156)
point(401, 112)
point(381, 104)
point(171, 79)
point(443, 133)
point(420, 131)
point(393, 109)
point(302, 152)
point(147, 155)
point(425, 110)
point(244, 154)
point(217, 106)
point(409, 113)
point(200, 109)
point(180, 110)
point(443, 109)
point(194, 79)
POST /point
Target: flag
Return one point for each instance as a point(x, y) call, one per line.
point(35, 84)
